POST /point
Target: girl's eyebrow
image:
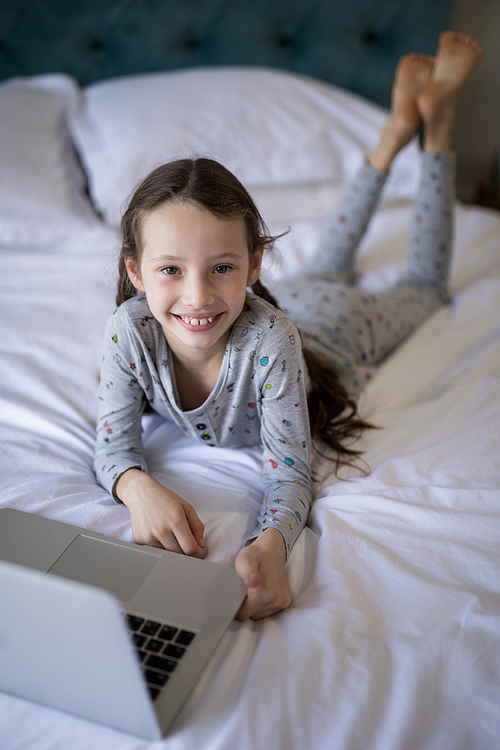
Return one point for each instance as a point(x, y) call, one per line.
point(174, 258)
point(164, 258)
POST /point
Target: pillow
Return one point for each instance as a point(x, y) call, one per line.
point(42, 190)
point(271, 128)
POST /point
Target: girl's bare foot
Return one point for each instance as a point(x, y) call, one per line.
point(457, 56)
point(413, 74)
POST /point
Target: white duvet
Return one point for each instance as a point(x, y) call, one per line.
point(393, 639)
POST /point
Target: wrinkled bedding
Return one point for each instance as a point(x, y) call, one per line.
point(392, 642)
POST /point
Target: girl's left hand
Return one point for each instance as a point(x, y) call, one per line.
point(261, 566)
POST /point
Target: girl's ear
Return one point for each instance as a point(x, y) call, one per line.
point(133, 274)
point(255, 264)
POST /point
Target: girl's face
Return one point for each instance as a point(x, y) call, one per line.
point(194, 270)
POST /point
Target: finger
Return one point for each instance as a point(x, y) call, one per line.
point(159, 536)
point(153, 537)
point(169, 542)
point(247, 567)
point(253, 580)
point(245, 612)
point(256, 608)
point(160, 540)
point(185, 539)
point(195, 524)
point(242, 615)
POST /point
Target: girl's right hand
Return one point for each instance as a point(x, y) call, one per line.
point(158, 516)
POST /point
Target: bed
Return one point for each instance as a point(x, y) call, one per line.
point(392, 641)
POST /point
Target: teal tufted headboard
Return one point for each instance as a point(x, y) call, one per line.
point(352, 43)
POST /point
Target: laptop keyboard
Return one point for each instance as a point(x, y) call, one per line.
point(160, 647)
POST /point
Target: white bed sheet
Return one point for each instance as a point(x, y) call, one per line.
point(393, 639)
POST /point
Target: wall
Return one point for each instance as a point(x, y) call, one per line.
point(477, 135)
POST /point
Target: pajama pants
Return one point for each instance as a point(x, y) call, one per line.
point(355, 330)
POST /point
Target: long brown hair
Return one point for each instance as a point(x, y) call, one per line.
point(333, 415)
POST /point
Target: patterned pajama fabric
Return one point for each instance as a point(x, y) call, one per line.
point(260, 398)
point(353, 329)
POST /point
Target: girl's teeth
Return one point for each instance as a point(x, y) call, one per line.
point(198, 321)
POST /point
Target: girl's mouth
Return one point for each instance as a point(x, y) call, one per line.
point(198, 323)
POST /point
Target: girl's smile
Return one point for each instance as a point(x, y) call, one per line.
point(194, 269)
point(199, 324)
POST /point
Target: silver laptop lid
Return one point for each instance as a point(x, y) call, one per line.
point(191, 594)
point(64, 644)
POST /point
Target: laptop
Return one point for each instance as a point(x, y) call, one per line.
point(110, 631)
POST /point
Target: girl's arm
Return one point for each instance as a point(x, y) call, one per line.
point(120, 405)
point(261, 566)
point(285, 437)
point(158, 516)
point(284, 432)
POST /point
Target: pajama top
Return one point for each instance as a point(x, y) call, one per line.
point(260, 397)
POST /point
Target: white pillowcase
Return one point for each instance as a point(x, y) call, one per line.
point(271, 128)
point(42, 198)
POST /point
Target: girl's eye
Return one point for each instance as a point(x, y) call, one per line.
point(222, 269)
point(169, 270)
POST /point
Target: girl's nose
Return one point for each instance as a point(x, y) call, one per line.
point(197, 293)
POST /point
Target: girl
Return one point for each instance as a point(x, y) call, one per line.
point(227, 365)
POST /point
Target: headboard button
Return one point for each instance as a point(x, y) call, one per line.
point(283, 40)
point(369, 37)
point(95, 46)
point(191, 44)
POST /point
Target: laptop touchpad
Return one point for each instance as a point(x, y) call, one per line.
point(110, 566)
